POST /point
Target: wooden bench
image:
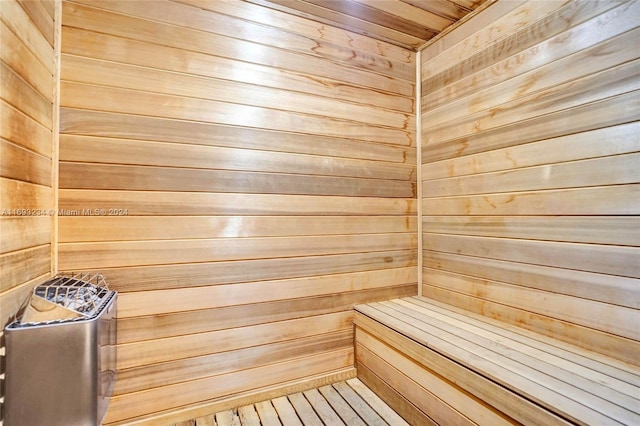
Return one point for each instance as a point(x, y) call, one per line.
point(436, 364)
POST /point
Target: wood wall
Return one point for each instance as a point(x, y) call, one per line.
point(242, 177)
point(531, 170)
point(28, 111)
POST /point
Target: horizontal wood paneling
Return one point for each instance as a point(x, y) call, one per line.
point(241, 181)
point(29, 42)
point(530, 171)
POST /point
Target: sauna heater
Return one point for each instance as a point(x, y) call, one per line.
point(60, 354)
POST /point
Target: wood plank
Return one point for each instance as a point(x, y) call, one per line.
point(622, 139)
point(400, 131)
point(582, 91)
point(210, 273)
point(135, 404)
point(377, 404)
point(531, 75)
point(518, 19)
point(175, 371)
point(614, 260)
point(21, 164)
point(616, 290)
point(76, 256)
point(202, 204)
point(340, 406)
point(21, 266)
point(360, 406)
point(16, 19)
point(137, 329)
point(89, 18)
point(606, 200)
point(344, 21)
point(408, 12)
point(227, 418)
point(607, 344)
point(18, 57)
point(562, 358)
point(564, 175)
point(20, 232)
point(320, 406)
point(195, 298)
point(477, 385)
point(248, 415)
point(473, 76)
point(151, 178)
point(618, 230)
point(304, 410)
point(113, 228)
point(600, 397)
point(110, 48)
point(102, 73)
point(268, 33)
point(39, 14)
point(18, 196)
point(488, 15)
point(101, 124)
point(206, 421)
point(399, 403)
point(438, 396)
point(25, 98)
point(242, 398)
point(304, 27)
point(286, 412)
point(17, 127)
point(179, 347)
point(266, 412)
point(608, 112)
point(127, 151)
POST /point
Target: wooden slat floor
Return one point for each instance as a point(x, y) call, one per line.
point(348, 403)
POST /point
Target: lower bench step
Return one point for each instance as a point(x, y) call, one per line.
point(459, 368)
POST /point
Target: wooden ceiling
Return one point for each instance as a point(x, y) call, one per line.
point(406, 23)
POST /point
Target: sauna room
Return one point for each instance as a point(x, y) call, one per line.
point(319, 212)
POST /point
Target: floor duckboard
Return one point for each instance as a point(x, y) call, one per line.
point(344, 403)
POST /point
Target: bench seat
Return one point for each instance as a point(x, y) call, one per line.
point(454, 367)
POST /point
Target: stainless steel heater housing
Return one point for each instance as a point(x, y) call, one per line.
point(61, 371)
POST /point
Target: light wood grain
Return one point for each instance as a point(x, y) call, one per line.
point(376, 403)
point(179, 347)
point(25, 98)
point(136, 329)
point(286, 412)
point(146, 79)
point(126, 151)
point(18, 21)
point(190, 392)
point(622, 139)
point(598, 230)
point(398, 131)
point(159, 203)
point(18, 57)
point(101, 124)
point(84, 17)
point(21, 129)
point(109, 48)
point(118, 254)
point(313, 43)
point(22, 232)
point(207, 297)
point(615, 290)
point(24, 165)
point(614, 260)
point(105, 228)
point(304, 27)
